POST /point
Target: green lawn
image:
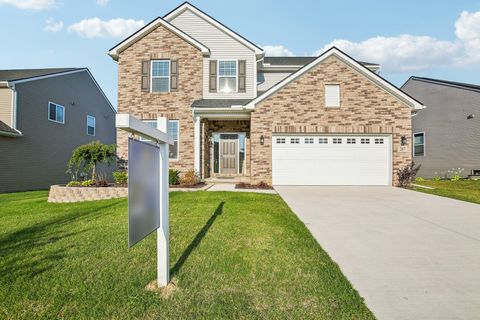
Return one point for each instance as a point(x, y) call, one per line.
point(466, 190)
point(233, 256)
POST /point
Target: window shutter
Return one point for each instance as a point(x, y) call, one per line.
point(212, 83)
point(174, 75)
point(242, 75)
point(146, 76)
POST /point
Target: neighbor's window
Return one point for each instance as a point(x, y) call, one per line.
point(173, 131)
point(419, 144)
point(160, 72)
point(56, 113)
point(332, 95)
point(90, 125)
point(227, 76)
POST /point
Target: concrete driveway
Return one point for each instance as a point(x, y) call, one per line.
point(409, 254)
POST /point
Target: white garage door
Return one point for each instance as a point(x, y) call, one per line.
point(331, 160)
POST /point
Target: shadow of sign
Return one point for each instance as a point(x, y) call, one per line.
point(196, 241)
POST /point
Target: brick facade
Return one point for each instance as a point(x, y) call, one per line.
point(299, 108)
point(161, 44)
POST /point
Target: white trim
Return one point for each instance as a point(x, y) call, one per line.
point(160, 77)
point(115, 51)
point(172, 15)
point(56, 105)
point(178, 137)
point(424, 144)
point(236, 75)
point(333, 51)
point(136, 126)
point(197, 144)
point(94, 125)
point(14, 82)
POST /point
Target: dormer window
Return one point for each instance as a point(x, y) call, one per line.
point(227, 76)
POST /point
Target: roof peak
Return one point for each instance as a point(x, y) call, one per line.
point(447, 82)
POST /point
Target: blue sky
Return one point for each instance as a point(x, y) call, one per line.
point(439, 39)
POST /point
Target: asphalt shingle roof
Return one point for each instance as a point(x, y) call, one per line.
point(299, 61)
point(18, 74)
point(6, 128)
point(219, 103)
point(463, 85)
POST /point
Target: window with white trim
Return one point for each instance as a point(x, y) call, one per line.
point(332, 95)
point(419, 144)
point(365, 141)
point(227, 76)
point(90, 125)
point(280, 140)
point(322, 140)
point(160, 76)
point(337, 140)
point(294, 140)
point(379, 141)
point(308, 140)
point(351, 141)
point(56, 113)
point(174, 131)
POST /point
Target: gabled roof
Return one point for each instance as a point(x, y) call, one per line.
point(299, 61)
point(20, 74)
point(188, 6)
point(333, 51)
point(113, 52)
point(458, 85)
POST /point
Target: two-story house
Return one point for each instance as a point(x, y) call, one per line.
point(326, 120)
point(44, 115)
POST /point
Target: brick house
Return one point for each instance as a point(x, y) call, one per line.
point(236, 114)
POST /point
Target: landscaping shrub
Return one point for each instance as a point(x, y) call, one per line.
point(120, 177)
point(190, 178)
point(86, 183)
point(419, 179)
point(173, 177)
point(74, 184)
point(455, 174)
point(436, 178)
point(86, 157)
point(406, 175)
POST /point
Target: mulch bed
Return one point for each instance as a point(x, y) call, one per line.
point(261, 185)
point(196, 186)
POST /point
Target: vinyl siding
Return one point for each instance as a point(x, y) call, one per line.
point(39, 158)
point(6, 107)
point(266, 80)
point(222, 46)
point(451, 140)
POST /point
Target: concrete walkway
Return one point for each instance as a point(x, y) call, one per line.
point(231, 187)
point(409, 254)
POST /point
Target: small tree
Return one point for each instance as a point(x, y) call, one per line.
point(86, 157)
point(406, 175)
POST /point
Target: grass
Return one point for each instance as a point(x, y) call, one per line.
point(466, 190)
point(233, 256)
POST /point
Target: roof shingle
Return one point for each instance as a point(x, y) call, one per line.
point(19, 74)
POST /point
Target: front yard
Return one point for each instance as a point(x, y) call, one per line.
point(233, 256)
point(466, 190)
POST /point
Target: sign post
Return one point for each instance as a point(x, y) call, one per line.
point(147, 192)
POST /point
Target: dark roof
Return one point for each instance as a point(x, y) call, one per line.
point(299, 61)
point(6, 128)
point(10, 75)
point(461, 85)
point(219, 103)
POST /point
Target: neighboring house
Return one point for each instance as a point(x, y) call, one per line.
point(326, 120)
point(447, 133)
point(44, 115)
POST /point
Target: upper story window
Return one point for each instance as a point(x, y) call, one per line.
point(56, 113)
point(160, 76)
point(173, 131)
point(332, 95)
point(227, 76)
point(90, 125)
point(419, 144)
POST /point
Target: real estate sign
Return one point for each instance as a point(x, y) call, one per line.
point(143, 190)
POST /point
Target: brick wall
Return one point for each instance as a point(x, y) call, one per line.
point(299, 107)
point(161, 44)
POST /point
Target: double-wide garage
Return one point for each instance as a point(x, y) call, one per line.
point(332, 160)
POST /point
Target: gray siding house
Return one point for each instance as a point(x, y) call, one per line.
point(44, 115)
point(446, 134)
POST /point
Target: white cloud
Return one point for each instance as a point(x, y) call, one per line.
point(407, 53)
point(53, 26)
point(30, 4)
point(102, 3)
point(114, 28)
point(277, 51)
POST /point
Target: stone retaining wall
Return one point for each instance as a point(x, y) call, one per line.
point(77, 194)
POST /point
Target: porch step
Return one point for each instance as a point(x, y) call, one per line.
point(227, 180)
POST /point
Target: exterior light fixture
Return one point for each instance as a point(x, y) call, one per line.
point(470, 116)
point(403, 141)
point(262, 140)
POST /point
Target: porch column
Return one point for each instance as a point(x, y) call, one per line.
point(196, 145)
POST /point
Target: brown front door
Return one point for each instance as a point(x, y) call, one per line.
point(229, 155)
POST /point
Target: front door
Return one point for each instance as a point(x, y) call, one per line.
point(228, 154)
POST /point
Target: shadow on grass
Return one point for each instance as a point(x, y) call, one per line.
point(196, 241)
point(28, 252)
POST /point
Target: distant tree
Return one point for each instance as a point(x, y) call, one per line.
point(86, 158)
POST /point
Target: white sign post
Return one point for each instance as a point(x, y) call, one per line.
point(163, 140)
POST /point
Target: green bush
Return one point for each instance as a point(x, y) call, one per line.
point(120, 177)
point(85, 158)
point(173, 177)
point(419, 179)
point(74, 184)
point(87, 183)
point(456, 177)
point(436, 178)
point(190, 178)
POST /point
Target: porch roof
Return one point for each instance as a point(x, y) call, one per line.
point(219, 103)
